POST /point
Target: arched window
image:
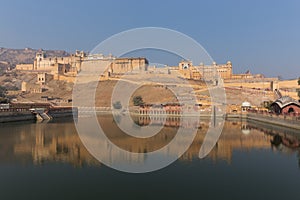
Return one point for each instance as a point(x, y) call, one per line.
point(291, 110)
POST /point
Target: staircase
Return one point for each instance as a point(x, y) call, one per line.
point(45, 116)
point(41, 114)
point(277, 93)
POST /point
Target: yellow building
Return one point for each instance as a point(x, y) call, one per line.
point(70, 65)
point(124, 65)
point(205, 72)
point(211, 72)
point(66, 68)
point(24, 67)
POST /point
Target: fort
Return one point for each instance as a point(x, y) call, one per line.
point(49, 73)
point(66, 68)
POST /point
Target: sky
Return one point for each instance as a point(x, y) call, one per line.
point(262, 36)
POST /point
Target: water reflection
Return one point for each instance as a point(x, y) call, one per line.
point(41, 143)
point(58, 142)
point(282, 139)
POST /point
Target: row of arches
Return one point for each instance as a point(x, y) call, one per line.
point(159, 112)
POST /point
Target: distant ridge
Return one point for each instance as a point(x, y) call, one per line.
point(11, 57)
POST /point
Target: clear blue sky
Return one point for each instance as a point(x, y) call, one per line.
point(262, 36)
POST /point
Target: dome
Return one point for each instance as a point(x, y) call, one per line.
point(229, 63)
point(246, 104)
point(285, 100)
point(246, 131)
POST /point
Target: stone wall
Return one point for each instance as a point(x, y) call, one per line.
point(281, 120)
point(124, 65)
point(208, 72)
point(291, 109)
point(16, 116)
point(24, 67)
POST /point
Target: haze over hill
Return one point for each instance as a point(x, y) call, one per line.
point(11, 57)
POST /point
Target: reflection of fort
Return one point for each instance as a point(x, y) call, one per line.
point(232, 139)
point(59, 142)
point(282, 139)
point(54, 143)
point(166, 121)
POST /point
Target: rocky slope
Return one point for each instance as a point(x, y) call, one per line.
point(11, 57)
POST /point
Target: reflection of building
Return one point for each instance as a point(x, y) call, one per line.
point(285, 105)
point(233, 138)
point(166, 121)
point(57, 143)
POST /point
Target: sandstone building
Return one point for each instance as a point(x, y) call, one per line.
point(207, 72)
point(66, 68)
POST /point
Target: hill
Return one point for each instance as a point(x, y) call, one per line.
point(11, 57)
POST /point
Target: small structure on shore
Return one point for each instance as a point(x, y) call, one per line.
point(160, 109)
point(285, 105)
point(39, 111)
point(246, 106)
point(168, 109)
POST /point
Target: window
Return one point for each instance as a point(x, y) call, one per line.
point(291, 110)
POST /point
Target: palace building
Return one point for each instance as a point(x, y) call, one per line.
point(69, 65)
point(66, 68)
point(209, 72)
point(205, 72)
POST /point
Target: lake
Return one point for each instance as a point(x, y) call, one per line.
point(47, 160)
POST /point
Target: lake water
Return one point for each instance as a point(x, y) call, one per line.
point(49, 161)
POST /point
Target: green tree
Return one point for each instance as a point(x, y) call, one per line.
point(138, 100)
point(299, 81)
point(117, 105)
point(267, 104)
point(2, 91)
point(3, 100)
point(299, 93)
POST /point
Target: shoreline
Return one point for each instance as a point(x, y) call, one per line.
point(283, 121)
point(36, 114)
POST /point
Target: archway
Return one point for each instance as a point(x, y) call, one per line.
point(291, 110)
